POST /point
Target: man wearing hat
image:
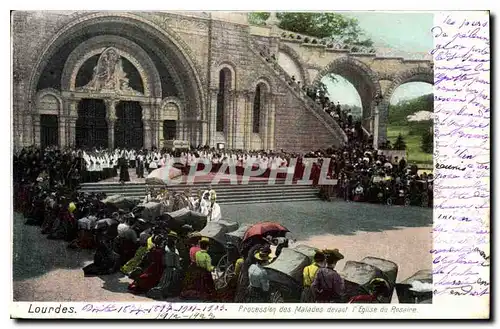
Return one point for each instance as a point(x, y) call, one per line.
point(309, 274)
point(258, 288)
point(328, 286)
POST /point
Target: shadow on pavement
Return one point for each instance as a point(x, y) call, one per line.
point(34, 255)
point(309, 218)
point(117, 283)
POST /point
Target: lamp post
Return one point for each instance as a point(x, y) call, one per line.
point(378, 100)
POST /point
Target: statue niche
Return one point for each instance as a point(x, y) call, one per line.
point(109, 76)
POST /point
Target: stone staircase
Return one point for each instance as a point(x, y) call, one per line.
point(329, 122)
point(253, 192)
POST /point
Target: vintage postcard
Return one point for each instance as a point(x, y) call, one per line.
point(243, 165)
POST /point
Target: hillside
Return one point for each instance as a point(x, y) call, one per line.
point(399, 112)
point(411, 131)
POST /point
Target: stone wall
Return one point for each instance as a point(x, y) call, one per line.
point(297, 129)
point(209, 44)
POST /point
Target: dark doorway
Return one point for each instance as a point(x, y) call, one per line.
point(49, 130)
point(129, 127)
point(169, 129)
point(91, 125)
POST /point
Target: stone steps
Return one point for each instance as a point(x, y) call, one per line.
point(253, 192)
point(280, 72)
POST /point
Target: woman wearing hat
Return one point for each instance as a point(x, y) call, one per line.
point(258, 287)
point(199, 283)
point(154, 271)
point(249, 259)
point(379, 289)
point(328, 286)
point(169, 281)
point(146, 244)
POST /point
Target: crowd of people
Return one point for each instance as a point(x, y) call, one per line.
point(362, 173)
point(166, 258)
point(174, 261)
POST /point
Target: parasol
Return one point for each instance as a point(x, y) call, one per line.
point(163, 175)
point(264, 228)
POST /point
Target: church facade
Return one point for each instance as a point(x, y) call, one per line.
point(139, 79)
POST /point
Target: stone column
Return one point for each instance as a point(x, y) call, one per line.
point(204, 132)
point(375, 128)
point(28, 129)
point(383, 110)
point(212, 118)
point(72, 111)
point(146, 121)
point(36, 129)
point(248, 120)
point(230, 115)
point(240, 111)
point(111, 120)
point(62, 131)
point(271, 118)
point(72, 131)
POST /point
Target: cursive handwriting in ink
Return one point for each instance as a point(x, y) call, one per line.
point(461, 171)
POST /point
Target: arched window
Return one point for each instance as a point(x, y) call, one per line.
point(257, 102)
point(224, 86)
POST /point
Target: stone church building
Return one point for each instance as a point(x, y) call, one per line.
point(139, 79)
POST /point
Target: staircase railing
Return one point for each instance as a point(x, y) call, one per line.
point(299, 93)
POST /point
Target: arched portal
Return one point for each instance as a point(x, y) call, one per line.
point(129, 130)
point(159, 56)
point(359, 75)
point(341, 92)
point(418, 74)
point(91, 126)
point(410, 114)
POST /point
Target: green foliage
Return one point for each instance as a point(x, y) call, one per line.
point(427, 145)
point(399, 112)
point(258, 18)
point(318, 25)
point(400, 143)
point(415, 154)
point(417, 128)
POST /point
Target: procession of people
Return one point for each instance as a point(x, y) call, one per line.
point(164, 262)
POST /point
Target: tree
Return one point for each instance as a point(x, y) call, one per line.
point(318, 25)
point(400, 144)
point(427, 144)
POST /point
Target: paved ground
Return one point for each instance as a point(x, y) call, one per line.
point(45, 270)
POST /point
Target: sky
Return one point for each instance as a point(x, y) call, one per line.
point(394, 34)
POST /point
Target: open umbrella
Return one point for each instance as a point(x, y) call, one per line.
point(263, 228)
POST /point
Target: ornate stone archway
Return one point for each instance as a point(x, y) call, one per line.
point(360, 75)
point(168, 47)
